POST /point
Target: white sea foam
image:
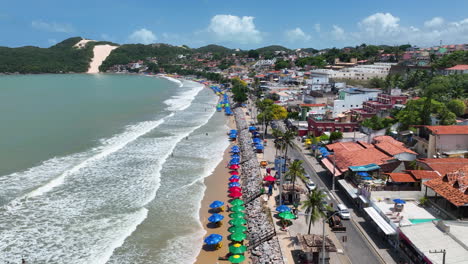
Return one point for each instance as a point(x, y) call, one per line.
point(173, 80)
point(183, 100)
point(111, 145)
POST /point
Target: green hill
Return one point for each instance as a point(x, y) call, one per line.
point(272, 48)
point(214, 49)
point(60, 58)
point(132, 52)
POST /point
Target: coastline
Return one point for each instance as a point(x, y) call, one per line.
point(216, 189)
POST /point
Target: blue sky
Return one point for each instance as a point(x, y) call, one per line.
point(236, 24)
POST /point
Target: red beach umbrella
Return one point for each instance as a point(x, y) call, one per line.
point(235, 194)
point(234, 180)
point(235, 189)
point(269, 178)
point(234, 167)
point(234, 173)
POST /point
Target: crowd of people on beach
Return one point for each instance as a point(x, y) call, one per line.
point(258, 221)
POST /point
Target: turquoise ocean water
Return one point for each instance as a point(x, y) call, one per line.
point(104, 168)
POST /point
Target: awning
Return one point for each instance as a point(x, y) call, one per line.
point(378, 219)
point(349, 189)
point(329, 166)
point(363, 199)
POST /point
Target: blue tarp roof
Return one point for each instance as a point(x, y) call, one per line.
point(364, 174)
point(368, 167)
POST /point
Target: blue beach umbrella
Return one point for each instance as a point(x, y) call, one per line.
point(234, 160)
point(214, 218)
point(213, 239)
point(235, 151)
point(283, 208)
point(216, 204)
point(234, 184)
point(235, 146)
point(399, 201)
point(234, 177)
point(256, 140)
point(235, 156)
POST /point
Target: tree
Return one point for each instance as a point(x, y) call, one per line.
point(281, 64)
point(457, 107)
point(377, 82)
point(418, 112)
point(271, 112)
point(274, 97)
point(296, 170)
point(324, 137)
point(313, 206)
point(253, 54)
point(335, 136)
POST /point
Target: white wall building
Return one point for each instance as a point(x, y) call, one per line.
point(351, 98)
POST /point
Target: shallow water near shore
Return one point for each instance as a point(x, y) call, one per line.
point(105, 168)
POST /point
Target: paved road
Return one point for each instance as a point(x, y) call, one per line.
point(356, 247)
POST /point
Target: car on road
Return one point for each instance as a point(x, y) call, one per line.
point(307, 176)
point(343, 212)
point(310, 185)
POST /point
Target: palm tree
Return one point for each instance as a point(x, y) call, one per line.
point(313, 206)
point(296, 170)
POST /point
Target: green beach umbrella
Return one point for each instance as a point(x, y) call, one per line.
point(237, 208)
point(236, 258)
point(237, 221)
point(237, 215)
point(238, 236)
point(235, 229)
point(237, 202)
point(287, 215)
point(237, 249)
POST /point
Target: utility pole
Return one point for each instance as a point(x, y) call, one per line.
point(334, 171)
point(443, 252)
point(323, 236)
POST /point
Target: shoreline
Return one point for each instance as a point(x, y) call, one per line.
point(216, 189)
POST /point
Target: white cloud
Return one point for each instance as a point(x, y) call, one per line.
point(338, 33)
point(52, 27)
point(235, 29)
point(434, 23)
point(296, 34)
point(143, 36)
point(317, 28)
point(385, 28)
point(380, 24)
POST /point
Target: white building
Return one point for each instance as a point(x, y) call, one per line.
point(351, 98)
point(360, 72)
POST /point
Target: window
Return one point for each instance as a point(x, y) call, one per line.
point(343, 105)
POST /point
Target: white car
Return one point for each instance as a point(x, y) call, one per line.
point(343, 212)
point(310, 185)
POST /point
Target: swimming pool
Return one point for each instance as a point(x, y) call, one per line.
point(421, 220)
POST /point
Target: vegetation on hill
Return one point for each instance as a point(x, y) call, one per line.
point(450, 60)
point(214, 49)
point(132, 52)
point(60, 58)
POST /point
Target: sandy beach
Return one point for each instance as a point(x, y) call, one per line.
point(216, 189)
point(100, 54)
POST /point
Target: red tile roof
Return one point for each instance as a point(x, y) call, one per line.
point(393, 149)
point(453, 186)
point(312, 105)
point(401, 177)
point(391, 146)
point(462, 67)
point(449, 130)
point(346, 146)
point(344, 159)
point(424, 174)
point(445, 165)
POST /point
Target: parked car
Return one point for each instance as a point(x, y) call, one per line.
point(311, 185)
point(343, 212)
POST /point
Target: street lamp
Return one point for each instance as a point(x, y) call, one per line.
point(323, 236)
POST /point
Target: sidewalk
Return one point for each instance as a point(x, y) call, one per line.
point(287, 239)
point(384, 254)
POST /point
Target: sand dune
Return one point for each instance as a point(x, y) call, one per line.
point(82, 43)
point(100, 54)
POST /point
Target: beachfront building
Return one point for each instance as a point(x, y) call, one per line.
point(320, 123)
point(353, 98)
point(437, 141)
